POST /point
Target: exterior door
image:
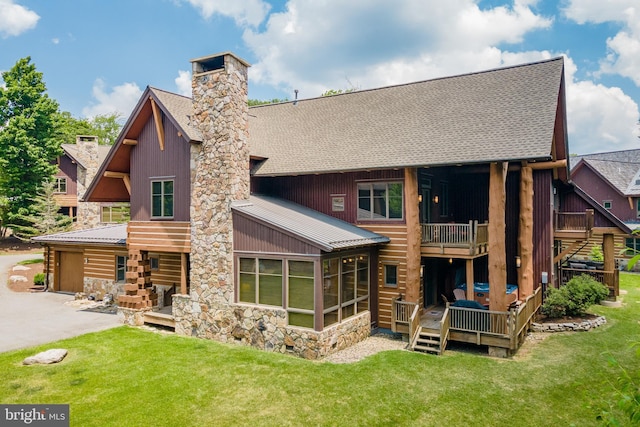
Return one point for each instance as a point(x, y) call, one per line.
point(70, 272)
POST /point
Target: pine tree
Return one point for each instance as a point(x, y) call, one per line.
point(45, 217)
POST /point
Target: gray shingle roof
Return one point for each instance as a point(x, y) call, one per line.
point(620, 168)
point(503, 114)
point(326, 232)
point(181, 109)
point(108, 235)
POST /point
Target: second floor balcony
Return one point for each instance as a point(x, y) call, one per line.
point(573, 225)
point(455, 240)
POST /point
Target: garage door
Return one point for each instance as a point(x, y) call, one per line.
point(70, 272)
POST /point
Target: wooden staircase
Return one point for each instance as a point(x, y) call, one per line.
point(428, 341)
point(157, 318)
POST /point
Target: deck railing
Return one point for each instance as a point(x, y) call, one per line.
point(455, 235)
point(402, 311)
point(610, 279)
point(414, 325)
point(445, 323)
point(574, 221)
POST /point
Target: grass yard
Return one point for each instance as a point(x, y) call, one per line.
point(132, 377)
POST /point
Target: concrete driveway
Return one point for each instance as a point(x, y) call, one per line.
point(28, 319)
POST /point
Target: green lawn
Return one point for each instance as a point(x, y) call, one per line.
point(131, 377)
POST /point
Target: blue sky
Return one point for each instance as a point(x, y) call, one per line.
point(98, 56)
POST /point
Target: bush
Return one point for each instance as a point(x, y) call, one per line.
point(574, 298)
point(38, 279)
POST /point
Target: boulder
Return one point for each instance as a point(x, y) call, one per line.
point(54, 355)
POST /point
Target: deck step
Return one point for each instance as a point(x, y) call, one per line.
point(428, 342)
point(156, 318)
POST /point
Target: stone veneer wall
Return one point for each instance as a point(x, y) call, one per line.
point(102, 287)
point(219, 176)
point(265, 329)
point(88, 215)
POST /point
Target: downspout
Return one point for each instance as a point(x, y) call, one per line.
point(46, 276)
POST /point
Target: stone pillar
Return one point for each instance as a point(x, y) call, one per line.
point(88, 215)
point(219, 174)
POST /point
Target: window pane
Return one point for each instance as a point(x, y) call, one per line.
point(330, 282)
point(395, 200)
point(363, 305)
point(168, 187)
point(168, 206)
point(301, 268)
point(156, 206)
point(301, 293)
point(301, 319)
point(270, 266)
point(391, 275)
point(156, 188)
point(270, 289)
point(379, 201)
point(247, 287)
point(248, 265)
point(331, 318)
point(348, 281)
point(364, 201)
point(348, 311)
point(363, 276)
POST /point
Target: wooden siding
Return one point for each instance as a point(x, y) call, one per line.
point(252, 236)
point(66, 200)
point(315, 191)
point(67, 168)
point(542, 225)
point(571, 202)
point(102, 262)
point(168, 272)
point(600, 190)
point(392, 253)
point(159, 236)
point(148, 162)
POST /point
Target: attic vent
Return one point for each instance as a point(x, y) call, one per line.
point(637, 181)
point(208, 64)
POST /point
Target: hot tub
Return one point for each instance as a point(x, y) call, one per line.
point(481, 292)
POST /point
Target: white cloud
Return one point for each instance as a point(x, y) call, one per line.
point(15, 19)
point(599, 118)
point(314, 46)
point(120, 100)
point(623, 55)
point(55, 40)
point(244, 12)
point(183, 82)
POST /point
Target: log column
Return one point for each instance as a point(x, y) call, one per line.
point(497, 251)
point(414, 231)
point(469, 273)
point(609, 259)
point(525, 234)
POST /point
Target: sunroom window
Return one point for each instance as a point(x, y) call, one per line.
point(261, 285)
point(345, 287)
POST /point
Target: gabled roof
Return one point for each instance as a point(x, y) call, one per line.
point(108, 235)
point(621, 169)
point(323, 231)
point(600, 209)
point(71, 150)
point(508, 114)
point(503, 114)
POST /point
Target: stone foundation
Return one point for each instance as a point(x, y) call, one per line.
point(265, 328)
point(131, 316)
point(101, 287)
point(584, 325)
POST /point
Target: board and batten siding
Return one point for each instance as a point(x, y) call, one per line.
point(252, 236)
point(151, 162)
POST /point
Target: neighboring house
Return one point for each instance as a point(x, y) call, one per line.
point(77, 166)
point(298, 227)
point(612, 179)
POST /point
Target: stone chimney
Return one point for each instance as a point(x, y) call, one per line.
point(88, 215)
point(219, 176)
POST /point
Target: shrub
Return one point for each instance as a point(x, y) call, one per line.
point(38, 279)
point(574, 298)
point(596, 253)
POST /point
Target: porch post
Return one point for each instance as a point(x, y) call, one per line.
point(497, 251)
point(470, 295)
point(183, 273)
point(525, 233)
point(414, 238)
point(609, 260)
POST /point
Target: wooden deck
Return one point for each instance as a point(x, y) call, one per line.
point(505, 330)
point(162, 317)
point(455, 240)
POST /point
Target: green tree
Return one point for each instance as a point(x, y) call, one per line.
point(254, 102)
point(29, 143)
point(105, 126)
point(45, 217)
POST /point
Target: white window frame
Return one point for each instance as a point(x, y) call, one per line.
point(370, 187)
point(61, 181)
point(609, 202)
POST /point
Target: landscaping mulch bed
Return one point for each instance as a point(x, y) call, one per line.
point(29, 274)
